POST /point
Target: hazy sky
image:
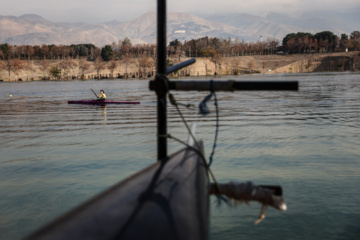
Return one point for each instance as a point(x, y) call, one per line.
point(96, 11)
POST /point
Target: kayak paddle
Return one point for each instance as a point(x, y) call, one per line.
point(94, 93)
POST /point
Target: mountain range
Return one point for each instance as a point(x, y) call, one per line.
point(31, 29)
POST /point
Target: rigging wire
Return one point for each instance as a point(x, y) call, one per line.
point(203, 109)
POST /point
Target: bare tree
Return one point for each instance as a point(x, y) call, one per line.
point(206, 68)
point(67, 65)
point(216, 59)
point(2, 66)
point(99, 65)
point(8, 67)
point(236, 65)
point(311, 42)
point(144, 64)
point(83, 66)
point(29, 67)
point(45, 51)
point(272, 44)
point(29, 52)
point(64, 51)
point(301, 43)
point(112, 66)
point(355, 35)
point(291, 45)
point(2, 55)
point(316, 45)
point(354, 42)
point(355, 58)
point(44, 67)
point(127, 61)
point(125, 46)
point(251, 65)
point(16, 66)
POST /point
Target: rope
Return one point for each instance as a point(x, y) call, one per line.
point(173, 102)
point(216, 130)
point(203, 110)
point(241, 192)
point(202, 158)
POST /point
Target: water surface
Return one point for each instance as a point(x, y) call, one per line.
point(55, 155)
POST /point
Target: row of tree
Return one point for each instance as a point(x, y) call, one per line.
point(300, 42)
point(325, 41)
point(119, 50)
point(28, 52)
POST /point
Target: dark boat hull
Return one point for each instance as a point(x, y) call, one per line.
point(167, 200)
point(99, 102)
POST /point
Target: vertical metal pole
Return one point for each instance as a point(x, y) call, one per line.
point(161, 70)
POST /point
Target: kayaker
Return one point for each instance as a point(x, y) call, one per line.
point(102, 95)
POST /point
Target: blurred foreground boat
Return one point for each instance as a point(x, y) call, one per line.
point(167, 200)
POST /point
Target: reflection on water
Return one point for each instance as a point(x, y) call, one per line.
point(103, 114)
point(55, 155)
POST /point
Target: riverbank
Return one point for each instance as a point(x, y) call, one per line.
point(133, 68)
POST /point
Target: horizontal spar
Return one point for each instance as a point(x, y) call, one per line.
point(180, 65)
point(231, 85)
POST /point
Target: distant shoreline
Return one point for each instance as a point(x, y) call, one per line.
point(295, 63)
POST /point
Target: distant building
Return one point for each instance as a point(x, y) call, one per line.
point(180, 31)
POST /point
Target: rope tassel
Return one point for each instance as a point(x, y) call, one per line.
point(246, 192)
point(203, 108)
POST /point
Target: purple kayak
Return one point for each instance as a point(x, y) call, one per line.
point(99, 102)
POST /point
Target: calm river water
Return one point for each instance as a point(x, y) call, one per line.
point(54, 155)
